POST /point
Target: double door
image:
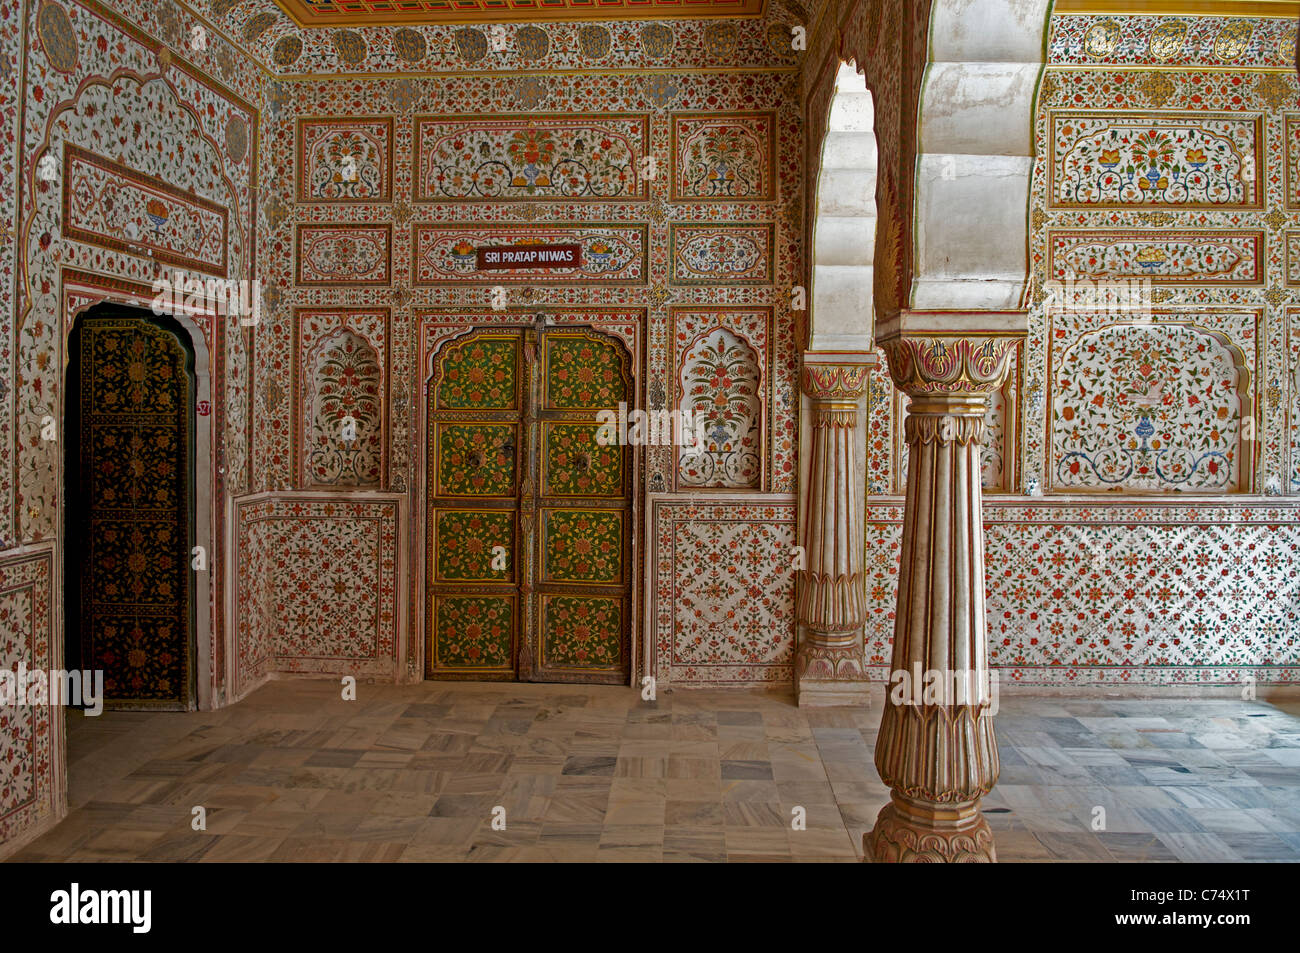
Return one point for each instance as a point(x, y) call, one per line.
point(529, 510)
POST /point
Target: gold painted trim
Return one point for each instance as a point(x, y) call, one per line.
point(496, 74)
point(1186, 8)
point(1143, 68)
point(291, 8)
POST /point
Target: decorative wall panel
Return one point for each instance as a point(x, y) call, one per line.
point(341, 375)
point(31, 735)
point(110, 205)
point(1115, 593)
point(337, 255)
point(1163, 257)
point(345, 160)
point(1149, 407)
point(327, 568)
point(723, 157)
point(720, 254)
point(1185, 160)
point(446, 254)
point(532, 157)
point(723, 592)
point(720, 359)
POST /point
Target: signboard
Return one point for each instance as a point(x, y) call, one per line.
point(529, 256)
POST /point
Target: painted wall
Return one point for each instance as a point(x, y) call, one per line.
point(1155, 400)
point(685, 191)
point(152, 167)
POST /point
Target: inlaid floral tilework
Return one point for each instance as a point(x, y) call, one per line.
point(719, 379)
point(1180, 248)
point(112, 206)
point(334, 255)
point(722, 600)
point(320, 576)
point(1191, 257)
point(530, 157)
point(720, 254)
point(1117, 593)
point(1159, 405)
point(723, 157)
point(1185, 160)
point(342, 376)
point(630, 269)
point(30, 735)
point(345, 160)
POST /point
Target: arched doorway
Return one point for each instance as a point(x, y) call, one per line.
point(129, 514)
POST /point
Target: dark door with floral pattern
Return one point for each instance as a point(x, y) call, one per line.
point(529, 532)
point(129, 500)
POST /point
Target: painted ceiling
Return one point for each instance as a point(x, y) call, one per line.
point(408, 12)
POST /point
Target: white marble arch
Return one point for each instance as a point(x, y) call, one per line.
point(975, 153)
point(844, 229)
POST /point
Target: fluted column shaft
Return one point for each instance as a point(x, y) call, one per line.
point(936, 748)
point(831, 606)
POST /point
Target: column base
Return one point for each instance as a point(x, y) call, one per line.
point(826, 676)
point(919, 832)
point(827, 693)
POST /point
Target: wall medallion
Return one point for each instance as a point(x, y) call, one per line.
point(471, 44)
point(58, 38)
point(287, 50)
point(532, 42)
point(1167, 40)
point(1234, 38)
point(1101, 39)
point(349, 45)
point(656, 40)
point(720, 41)
point(594, 42)
point(410, 45)
point(236, 138)
point(256, 25)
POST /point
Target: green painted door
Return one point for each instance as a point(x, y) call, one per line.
point(529, 517)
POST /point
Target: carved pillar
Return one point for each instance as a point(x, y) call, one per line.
point(829, 667)
point(936, 748)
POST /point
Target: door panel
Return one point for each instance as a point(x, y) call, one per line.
point(129, 471)
point(513, 453)
point(583, 546)
point(474, 467)
point(465, 546)
point(477, 459)
point(576, 465)
point(474, 635)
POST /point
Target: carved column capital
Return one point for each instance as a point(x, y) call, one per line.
point(835, 382)
point(951, 360)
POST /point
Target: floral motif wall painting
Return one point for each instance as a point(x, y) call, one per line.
point(529, 514)
point(129, 503)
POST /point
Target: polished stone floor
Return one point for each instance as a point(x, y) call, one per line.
point(415, 773)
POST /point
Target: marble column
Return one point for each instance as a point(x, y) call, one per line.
point(831, 607)
point(936, 748)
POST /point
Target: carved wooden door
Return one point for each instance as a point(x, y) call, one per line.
point(529, 517)
point(130, 403)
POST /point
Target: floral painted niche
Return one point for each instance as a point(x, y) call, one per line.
point(719, 388)
point(344, 446)
point(1149, 407)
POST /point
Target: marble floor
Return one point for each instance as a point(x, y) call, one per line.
point(418, 773)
